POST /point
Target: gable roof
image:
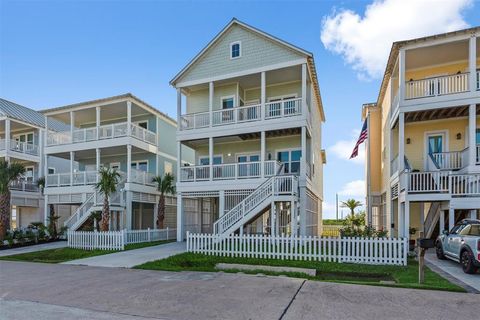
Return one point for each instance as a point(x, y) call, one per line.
point(15, 111)
point(233, 22)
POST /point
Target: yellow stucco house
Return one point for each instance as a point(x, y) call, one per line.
point(423, 154)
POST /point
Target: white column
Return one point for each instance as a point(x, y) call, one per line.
point(304, 89)
point(262, 154)
point(179, 108)
point(401, 75)
point(442, 221)
point(210, 101)
point(302, 213)
point(451, 218)
point(45, 166)
point(293, 217)
point(97, 161)
point(406, 232)
point(7, 137)
point(40, 145)
point(472, 127)
point(401, 141)
point(97, 120)
point(129, 217)
point(72, 124)
point(179, 159)
point(72, 158)
point(472, 63)
point(221, 203)
point(45, 208)
point(304, 153)
point(273, 218)
point(129, 118)
point(180, 226)
point(263, 93)
point(210, 156)
point(400, 219)
point(129, 163)
point(157, 166)
point(473, 214)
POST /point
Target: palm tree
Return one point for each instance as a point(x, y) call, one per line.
point(8, 172)
point(351, 204)
point(106, 185)
point(164, 185)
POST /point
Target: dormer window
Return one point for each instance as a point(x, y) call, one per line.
point(235, 50)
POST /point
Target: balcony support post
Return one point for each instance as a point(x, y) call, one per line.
point(180, 225)
point(72, 158)
point(400, 219)
point(98, 121)
point(472, 63)
point(304, 90)
point(7, 138)
point(45, 210)
point(210, 156)
point(401, 75)
point(128, 206)
point(303, 160)
point(72, 124)
point(179, 108)
point(40, 154)
point(210, 102)
point(273, 218)
point(179, 160)
point(129, 163)
point(262, 154)
point(451, 218)
point(472, 127)
point(263, 95)
point(221, 203)
point(406, 225)
point(129, 118)
point(401, 141)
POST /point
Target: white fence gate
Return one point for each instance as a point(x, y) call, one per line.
point(116, 240)
point(384, 251)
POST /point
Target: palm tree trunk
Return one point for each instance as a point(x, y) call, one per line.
point(52, 221)
point(4, 214)
point(105, 214)
point(161, 212)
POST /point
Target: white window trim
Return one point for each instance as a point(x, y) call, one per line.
point(228, 97)
point(240, 49)
point(24, 134)
point(136, 162)
point(112, 164)
point(207, 157)
point(282, 97)
point(248, 154)
point(289, 154)
point(445, 134)
point(51, 168)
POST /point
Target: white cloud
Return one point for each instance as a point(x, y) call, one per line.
point(354, 189)
point(328, 210)
point(342, 149)
point(365, 41)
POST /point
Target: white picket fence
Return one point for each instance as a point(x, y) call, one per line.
point(381, 251)
point(116, 240)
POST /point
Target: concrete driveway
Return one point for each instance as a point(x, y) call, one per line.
point(34, 248)
point(53, 291)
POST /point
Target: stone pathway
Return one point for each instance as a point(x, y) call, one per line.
point(34, 248)
point(131, 258)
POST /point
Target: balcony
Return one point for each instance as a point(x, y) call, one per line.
point(25, 186)
point(21, 147)
point(103, 132)
point(443, 182)
point(229, 171)
point(142, 177)
point(82, 178)
point(225, 117)
point(438, 86)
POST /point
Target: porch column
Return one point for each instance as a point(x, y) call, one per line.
point(7, 138)
point(157, 165)
point(72, 124)
point(304, 89)
point(293, 217)
point(263, 95)
point(179, 159)
point(472, 63)
point(72, 158)
point(210, 102)
point(40, 145)
point(129, 217)
point(180, 226)
point(210, 156)
point(401, 75)
point(406, 231)
point(400, 219)
point(262, 154)
point(451, 218)
point(97, 161)
point(179, 108)
point(221, 203)
point(45, 210)
point(273, 218)
point(303, 161)
point(129, 118)
point(129, 163)
point(472, 127)
point(98, 121)
point(442, 221)
point(401, 142)
point(473, 214)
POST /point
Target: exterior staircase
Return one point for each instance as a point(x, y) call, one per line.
point(93, 203)
point(431, 220)
point(269, 191)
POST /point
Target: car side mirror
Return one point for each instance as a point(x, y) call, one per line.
point(445, 232)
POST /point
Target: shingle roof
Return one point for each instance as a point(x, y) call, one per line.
point(15, 111)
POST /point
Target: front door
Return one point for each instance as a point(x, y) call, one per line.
point(435, 145)
point(248, 165)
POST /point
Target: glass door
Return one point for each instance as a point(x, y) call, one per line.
point(248, 165)
point(435, 148)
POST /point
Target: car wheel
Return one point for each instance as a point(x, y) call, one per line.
point(439, 251)
point(467, 263)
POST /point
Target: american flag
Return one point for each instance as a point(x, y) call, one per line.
point(363, 136)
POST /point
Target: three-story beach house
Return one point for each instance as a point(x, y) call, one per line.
point(120, 132)
point(249, 106)
point(423, 158)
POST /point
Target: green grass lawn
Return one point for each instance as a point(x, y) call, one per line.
point(406, 277)
point(67, 254)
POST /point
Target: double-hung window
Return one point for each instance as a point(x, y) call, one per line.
point(235, 50)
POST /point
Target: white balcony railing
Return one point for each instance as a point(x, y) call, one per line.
point(142, 177)
point(437, 86)
point(277, 109)
point(229, 171)
point(109, 131)
point(65, 179)
point(444, 182)
point(22, 147)
point(452, 160)
point(22, 185)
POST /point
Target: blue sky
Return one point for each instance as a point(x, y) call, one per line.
point(60, 52)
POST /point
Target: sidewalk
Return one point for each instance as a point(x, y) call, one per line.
point(34, 248)
point(453, 269)
point(131, 258)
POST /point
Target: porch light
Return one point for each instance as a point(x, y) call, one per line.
point(408, 140)
point(459, 136)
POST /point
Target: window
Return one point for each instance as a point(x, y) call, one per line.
point(290, 160)
point(204, 161)
point(235, 50)
point(115, 165)
point(51, 170)
point(167, 167)
point(246, 169)
point(228, 102)
point(28, 175)
point(142, 124)
point(140, 165)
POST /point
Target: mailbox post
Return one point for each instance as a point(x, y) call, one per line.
point(423, 244)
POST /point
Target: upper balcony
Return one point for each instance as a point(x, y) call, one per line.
point(19, 140)
point(275, 99)
point(116, 121)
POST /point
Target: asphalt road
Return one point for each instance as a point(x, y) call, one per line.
point(81, 292)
